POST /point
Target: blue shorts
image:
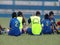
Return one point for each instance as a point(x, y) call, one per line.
point(47, 31)
point(29, 31)
point(14, 33)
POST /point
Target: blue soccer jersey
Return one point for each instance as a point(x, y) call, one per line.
point(46, 26)
point(53, 21)
point(14, 25)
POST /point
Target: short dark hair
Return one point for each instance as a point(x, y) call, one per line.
point(51, 13)
point(20, 13)
point(14, 14)
point(46, 16)
point(37, 13)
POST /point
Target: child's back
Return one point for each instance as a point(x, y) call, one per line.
point(46, 25)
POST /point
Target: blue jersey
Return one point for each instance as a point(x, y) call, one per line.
point(14, 25)
point(53, 21)
point(46, 26)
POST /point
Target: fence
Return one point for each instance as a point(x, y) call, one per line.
point(28, 7)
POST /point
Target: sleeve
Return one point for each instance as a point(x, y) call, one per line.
point(29, 20)
point(54, 20)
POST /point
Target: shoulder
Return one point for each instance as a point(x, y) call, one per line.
point(14, 19)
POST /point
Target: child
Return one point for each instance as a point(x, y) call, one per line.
point(52, 20)
point(36, 27)
point(46, 25)
point(22, 21)
point(14, 26)
point(2, 30)
point(58, 27)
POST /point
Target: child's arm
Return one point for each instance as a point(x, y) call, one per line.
point(0, 27)
point(52, 27)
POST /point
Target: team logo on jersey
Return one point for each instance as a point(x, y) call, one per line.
point(35, 21)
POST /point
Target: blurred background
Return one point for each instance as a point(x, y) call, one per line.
point(28, 7)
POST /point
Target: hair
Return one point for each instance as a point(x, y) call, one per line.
point(46, 16)
point(0, 27)
point(51, 13)
point(14, 14)
point(37, 13)
point(20, 13)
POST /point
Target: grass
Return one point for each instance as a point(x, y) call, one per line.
point(25, 39)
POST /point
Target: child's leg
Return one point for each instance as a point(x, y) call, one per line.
point(29, 31)
point(3, 30)
point(24, 29)
point(0, 32)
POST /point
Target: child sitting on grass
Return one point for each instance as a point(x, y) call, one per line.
point(2, 30)
point(58, 27)
point(47, 25)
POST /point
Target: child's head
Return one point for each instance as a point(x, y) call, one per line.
point(20, 13)
point(38, 13)
point(14, 15)
point(51, 14)
point(46, 16)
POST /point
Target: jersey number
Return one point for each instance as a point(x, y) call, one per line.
point(16, 24)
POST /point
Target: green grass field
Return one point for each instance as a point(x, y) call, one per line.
point(25, 39)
